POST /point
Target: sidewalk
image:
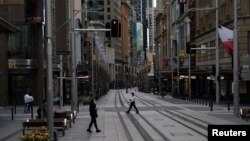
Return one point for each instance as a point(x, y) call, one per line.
point(116, 125)
point(218, 111)
point(11, 129)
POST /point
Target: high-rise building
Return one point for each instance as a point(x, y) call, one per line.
point(103, 12)
point(21, 65)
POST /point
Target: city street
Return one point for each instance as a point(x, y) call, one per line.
point(159, 119)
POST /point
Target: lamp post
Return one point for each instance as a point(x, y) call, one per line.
point(189, 57)
point(49, 84)
point(178, 62)
point(159, 68)
point(217, 82)
point(92, 65)
point(172, 64)
point(235, 61)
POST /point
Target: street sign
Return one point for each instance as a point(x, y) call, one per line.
point(63, 52)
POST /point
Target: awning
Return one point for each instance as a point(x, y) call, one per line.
point(7, 27)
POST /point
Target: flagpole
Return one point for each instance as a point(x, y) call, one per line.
point(235, 61)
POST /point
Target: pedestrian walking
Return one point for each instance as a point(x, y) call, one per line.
point(30, 101)
point(93, 115)
point(26, 102)
point(132, 103)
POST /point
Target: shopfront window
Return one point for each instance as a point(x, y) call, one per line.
point(22, 45)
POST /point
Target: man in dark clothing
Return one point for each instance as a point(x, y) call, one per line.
point(93, 115)
point(132, 103)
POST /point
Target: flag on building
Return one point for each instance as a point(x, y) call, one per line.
point(226, 36)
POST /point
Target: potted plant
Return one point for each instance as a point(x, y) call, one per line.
point(41, 134)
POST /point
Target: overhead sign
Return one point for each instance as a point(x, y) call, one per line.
point(63, 52)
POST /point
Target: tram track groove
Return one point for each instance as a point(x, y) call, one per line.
point(150, 124)
point(129, 137)
point(137, 125)
point(189, 116)
point(195, 124)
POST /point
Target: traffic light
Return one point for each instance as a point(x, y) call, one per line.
point(188, 48)
point(213, 69)
point(114, 28)
point(107, 32)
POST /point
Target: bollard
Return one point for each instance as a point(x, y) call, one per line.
point(211, 108)
point(15, 108)
point(12, 113)
point(77, 107)
point(31, 112)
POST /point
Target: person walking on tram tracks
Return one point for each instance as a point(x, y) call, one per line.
point(132, 103)
point(93, 115)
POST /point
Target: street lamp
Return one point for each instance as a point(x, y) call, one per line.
point(235, 61)
point(189, 57)
point(178, 60)
point(172, 64)
point(92, 64)
point(159, 71)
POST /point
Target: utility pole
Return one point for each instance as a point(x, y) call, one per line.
point(159, 68)
point(235, 61)
point(49, 84)
point(61, 81)
point(178, 62)
point(217, 80)
point(189, 57)
point(172, 65)
point(73, 61)
point(92, 67)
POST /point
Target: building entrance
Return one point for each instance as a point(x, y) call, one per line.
point(19, 85)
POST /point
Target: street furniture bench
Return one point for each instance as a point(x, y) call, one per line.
point(245, 113)
point(33, 124)
point(69, 115)
point(64, 115)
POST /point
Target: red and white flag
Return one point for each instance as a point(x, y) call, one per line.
point(226, 36)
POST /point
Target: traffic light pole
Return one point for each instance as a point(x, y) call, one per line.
point(61, 81)
point(217, 80)
point(235, 61)
point(74, 96)
point(189, 58)
point(49, 84)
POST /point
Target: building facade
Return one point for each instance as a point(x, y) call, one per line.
point(24, 53)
